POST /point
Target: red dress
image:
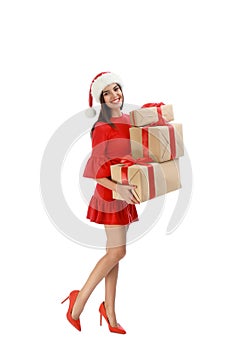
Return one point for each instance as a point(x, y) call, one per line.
point(109, 145)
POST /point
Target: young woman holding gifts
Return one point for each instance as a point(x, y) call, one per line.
point(110, 142)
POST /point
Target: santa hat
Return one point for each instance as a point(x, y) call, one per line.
point(100, 81)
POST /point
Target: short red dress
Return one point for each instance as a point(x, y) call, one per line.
point(109, 145)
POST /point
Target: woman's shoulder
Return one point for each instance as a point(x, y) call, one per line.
point(123, 119)
point(102, 127)
point(126, 117)
point(101, 131)
point(105, 127)
point(102, 124)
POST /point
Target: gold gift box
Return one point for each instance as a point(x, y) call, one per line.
point(159, 145)
point(145, 116)
point(166, 178)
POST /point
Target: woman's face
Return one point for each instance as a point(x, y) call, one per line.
point(113, 96)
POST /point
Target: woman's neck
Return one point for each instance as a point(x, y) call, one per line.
point(116, 112)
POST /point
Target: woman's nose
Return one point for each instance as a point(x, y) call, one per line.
point(114, 94)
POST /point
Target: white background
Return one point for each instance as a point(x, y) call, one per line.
point(174, 292)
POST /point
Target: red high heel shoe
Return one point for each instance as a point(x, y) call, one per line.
point(117, 329)
point(72, 297)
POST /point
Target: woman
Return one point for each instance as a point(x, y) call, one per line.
point(110, 142)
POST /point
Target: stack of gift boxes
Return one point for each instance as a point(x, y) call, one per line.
point(156, 145)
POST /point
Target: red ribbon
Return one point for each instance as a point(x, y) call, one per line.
point(141, 161)
point(160, 122)
point(158, 106)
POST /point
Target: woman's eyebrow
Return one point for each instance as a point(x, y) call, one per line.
point(113, 88)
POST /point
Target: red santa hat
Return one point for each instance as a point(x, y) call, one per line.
point(100, 81)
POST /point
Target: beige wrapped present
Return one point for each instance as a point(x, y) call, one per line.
point(157, 142)
point(145, 116)
point(152, 179)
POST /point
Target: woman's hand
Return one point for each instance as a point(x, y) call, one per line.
point(125, 191)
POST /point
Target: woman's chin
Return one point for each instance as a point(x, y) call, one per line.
point(115, 105)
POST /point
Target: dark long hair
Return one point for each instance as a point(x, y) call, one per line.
point(105, 112)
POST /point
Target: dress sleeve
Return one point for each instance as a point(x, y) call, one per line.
point(98, 165)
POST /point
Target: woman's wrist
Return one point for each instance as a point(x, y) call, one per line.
point(106, 182)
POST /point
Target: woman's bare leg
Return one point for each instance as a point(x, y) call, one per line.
point(112, 276)
point(116, 249)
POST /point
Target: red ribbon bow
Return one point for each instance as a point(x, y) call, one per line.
point(128, 161)
point(158, 106)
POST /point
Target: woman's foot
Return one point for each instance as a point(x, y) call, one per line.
point(72, 297)
point(111, 315)
point(77, 307)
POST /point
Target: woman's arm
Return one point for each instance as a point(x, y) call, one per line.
point(125, 191)
point(104, 181)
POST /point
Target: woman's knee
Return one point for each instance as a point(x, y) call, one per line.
point(117, 253)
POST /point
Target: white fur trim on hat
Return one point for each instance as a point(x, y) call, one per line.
point(90, 112)
point(102, 81)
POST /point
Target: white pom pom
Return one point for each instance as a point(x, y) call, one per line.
point(90, 112)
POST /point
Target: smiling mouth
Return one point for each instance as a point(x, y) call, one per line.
point(116, 100)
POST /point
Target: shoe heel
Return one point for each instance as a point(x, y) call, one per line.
point(100, 319)
point(65, 299)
